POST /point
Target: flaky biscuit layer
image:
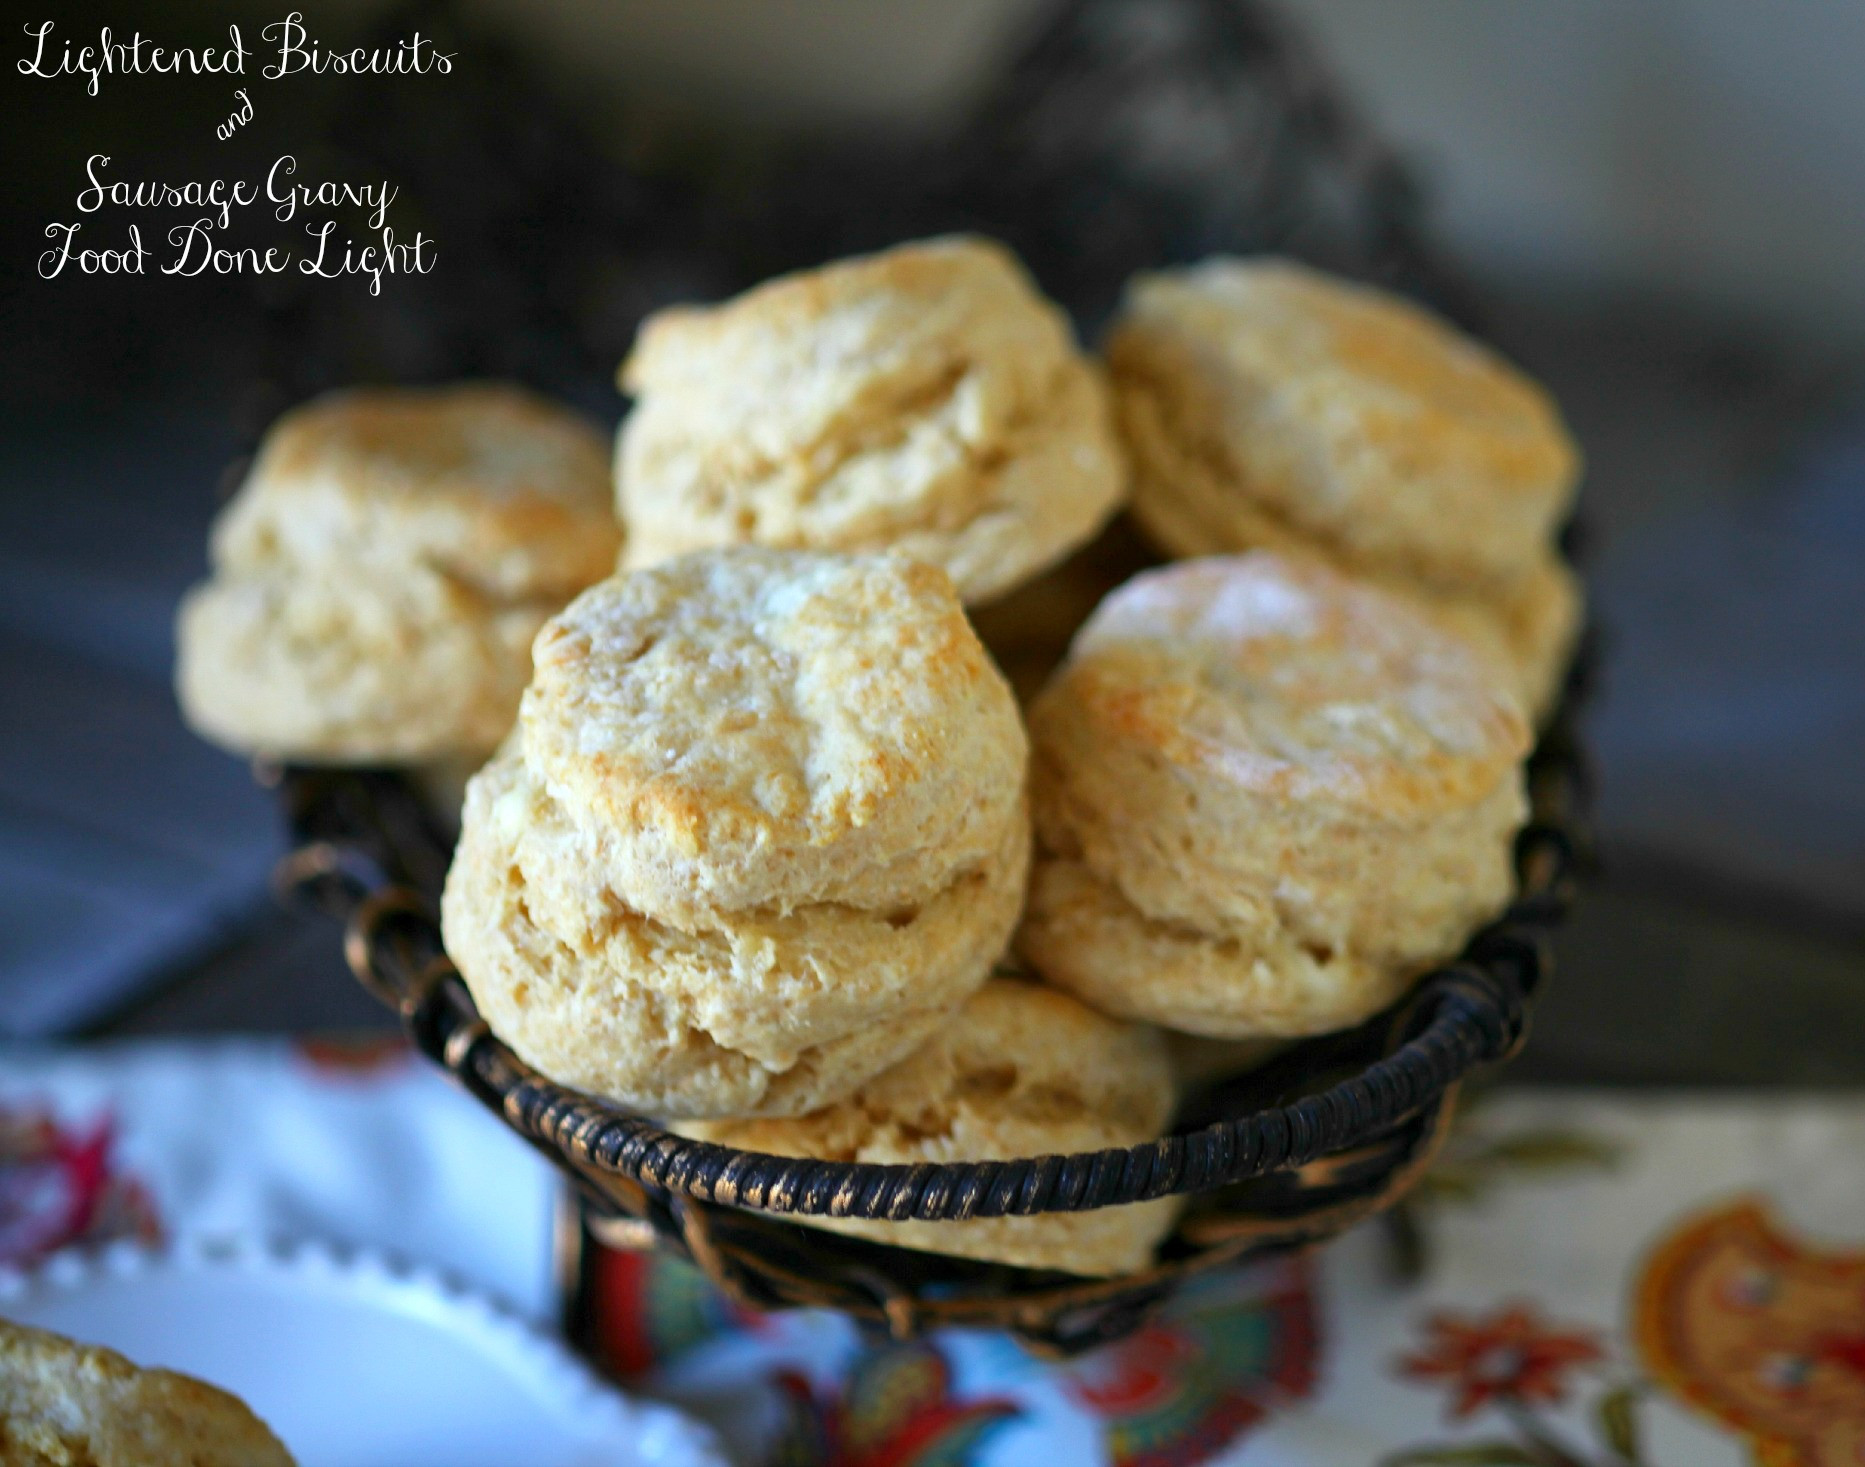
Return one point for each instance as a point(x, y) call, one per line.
point(1261, 399)
point(1265, 796)
point(365, 665)
point(755, 1011)
point(925, 398)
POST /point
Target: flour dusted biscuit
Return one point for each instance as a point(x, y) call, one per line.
point(1267, 406)
point(1528, 625)
point(925, 398)
point(1020, 1070)
point(1266, 796)
point(381, 573)
point(760, 828)
point(63, 1404)
point(765, 727)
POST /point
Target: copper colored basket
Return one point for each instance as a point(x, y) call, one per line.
point(1333, 1130)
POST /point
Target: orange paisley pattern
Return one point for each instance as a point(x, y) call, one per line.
point(1761, 1332)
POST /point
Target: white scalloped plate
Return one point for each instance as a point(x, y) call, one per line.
point(355, 1361)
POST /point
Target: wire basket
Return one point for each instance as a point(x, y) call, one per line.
point(1331, 1131)
point(1060, 161)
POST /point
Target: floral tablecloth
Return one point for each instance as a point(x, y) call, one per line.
point(1612, 1280)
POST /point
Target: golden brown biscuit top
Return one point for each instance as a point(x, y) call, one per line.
point(852, 320)
point(65, 1402)
point(754, 725)
point(925, 398)
point(488, 482)
point(816, 388)
point(1413, 386)
point(1284, 677)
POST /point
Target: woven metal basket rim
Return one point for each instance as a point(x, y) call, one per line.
point(1457, 1017)
point(1470, 1019)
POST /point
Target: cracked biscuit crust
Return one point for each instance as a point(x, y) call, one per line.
point(1266, 796)
point(760, 830)
point(925, 398)
point(1261, 401)
point(1020, 1070)
point(63, 1404)
point(759, 727)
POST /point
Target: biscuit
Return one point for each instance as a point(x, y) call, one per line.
point(1528, 626)
point(1261, 401)
point(756, 727)
point(760, 828)
point(1266, 797)
point(926, 398)
point(381, 574)
point(1531, 630)
point(483, 482)
point(1019, 1071)
point(766, 1010)
point(66, 1403)
point(367, 665)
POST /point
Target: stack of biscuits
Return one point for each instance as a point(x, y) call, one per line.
point(1270, 407)
point(760, 831)
point(768, 852)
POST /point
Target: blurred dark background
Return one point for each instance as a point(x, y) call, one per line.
point(1659, 209)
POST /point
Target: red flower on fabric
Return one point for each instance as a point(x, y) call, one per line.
point(61, 1185)
point(1511, 1356)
